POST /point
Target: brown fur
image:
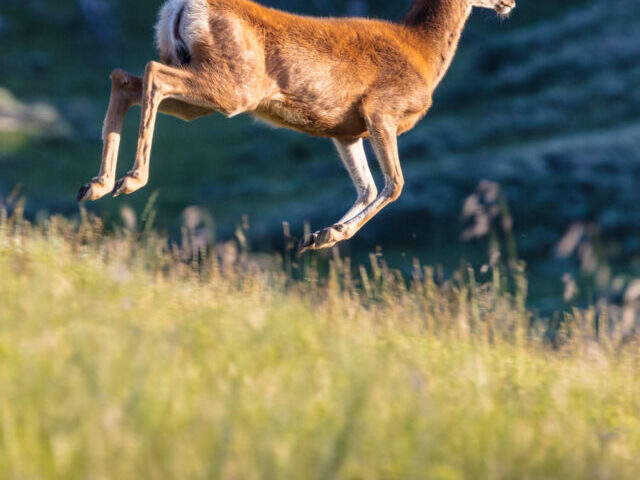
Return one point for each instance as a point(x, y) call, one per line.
point(320, 75)
point(342, 78)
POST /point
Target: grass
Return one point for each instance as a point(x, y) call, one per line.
point(121, 357)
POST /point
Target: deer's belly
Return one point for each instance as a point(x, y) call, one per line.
point(335, 122)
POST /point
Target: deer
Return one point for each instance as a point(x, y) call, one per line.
point(348, 79)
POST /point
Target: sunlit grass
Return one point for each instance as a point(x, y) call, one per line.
point(122, 358)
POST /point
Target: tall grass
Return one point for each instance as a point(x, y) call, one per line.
point(123, 357)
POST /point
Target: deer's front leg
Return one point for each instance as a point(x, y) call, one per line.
point(126, 90)
point(169, 90)
point(154, 91)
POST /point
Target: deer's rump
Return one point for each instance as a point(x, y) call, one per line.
point(181, 24)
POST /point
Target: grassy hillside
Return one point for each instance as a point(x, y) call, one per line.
point(123, 358)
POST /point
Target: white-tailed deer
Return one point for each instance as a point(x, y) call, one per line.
point(347, 79)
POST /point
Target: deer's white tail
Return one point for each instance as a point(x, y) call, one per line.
point(181, 24)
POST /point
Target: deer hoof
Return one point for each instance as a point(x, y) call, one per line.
point(93, 190)
point(329, 236)
point(130, 183)
point(83, 193)
point(117, 189)
point(307, 243)
point(325, 238)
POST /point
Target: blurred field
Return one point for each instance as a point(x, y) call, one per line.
point(211, 351)
point(122, 357)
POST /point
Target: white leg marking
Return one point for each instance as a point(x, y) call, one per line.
point(355, 161)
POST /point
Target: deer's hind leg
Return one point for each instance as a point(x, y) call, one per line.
point(355, 161)
point(126, 91)
point(383, 130)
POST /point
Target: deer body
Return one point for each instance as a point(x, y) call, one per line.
point(311, 74)
point(347, 79)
